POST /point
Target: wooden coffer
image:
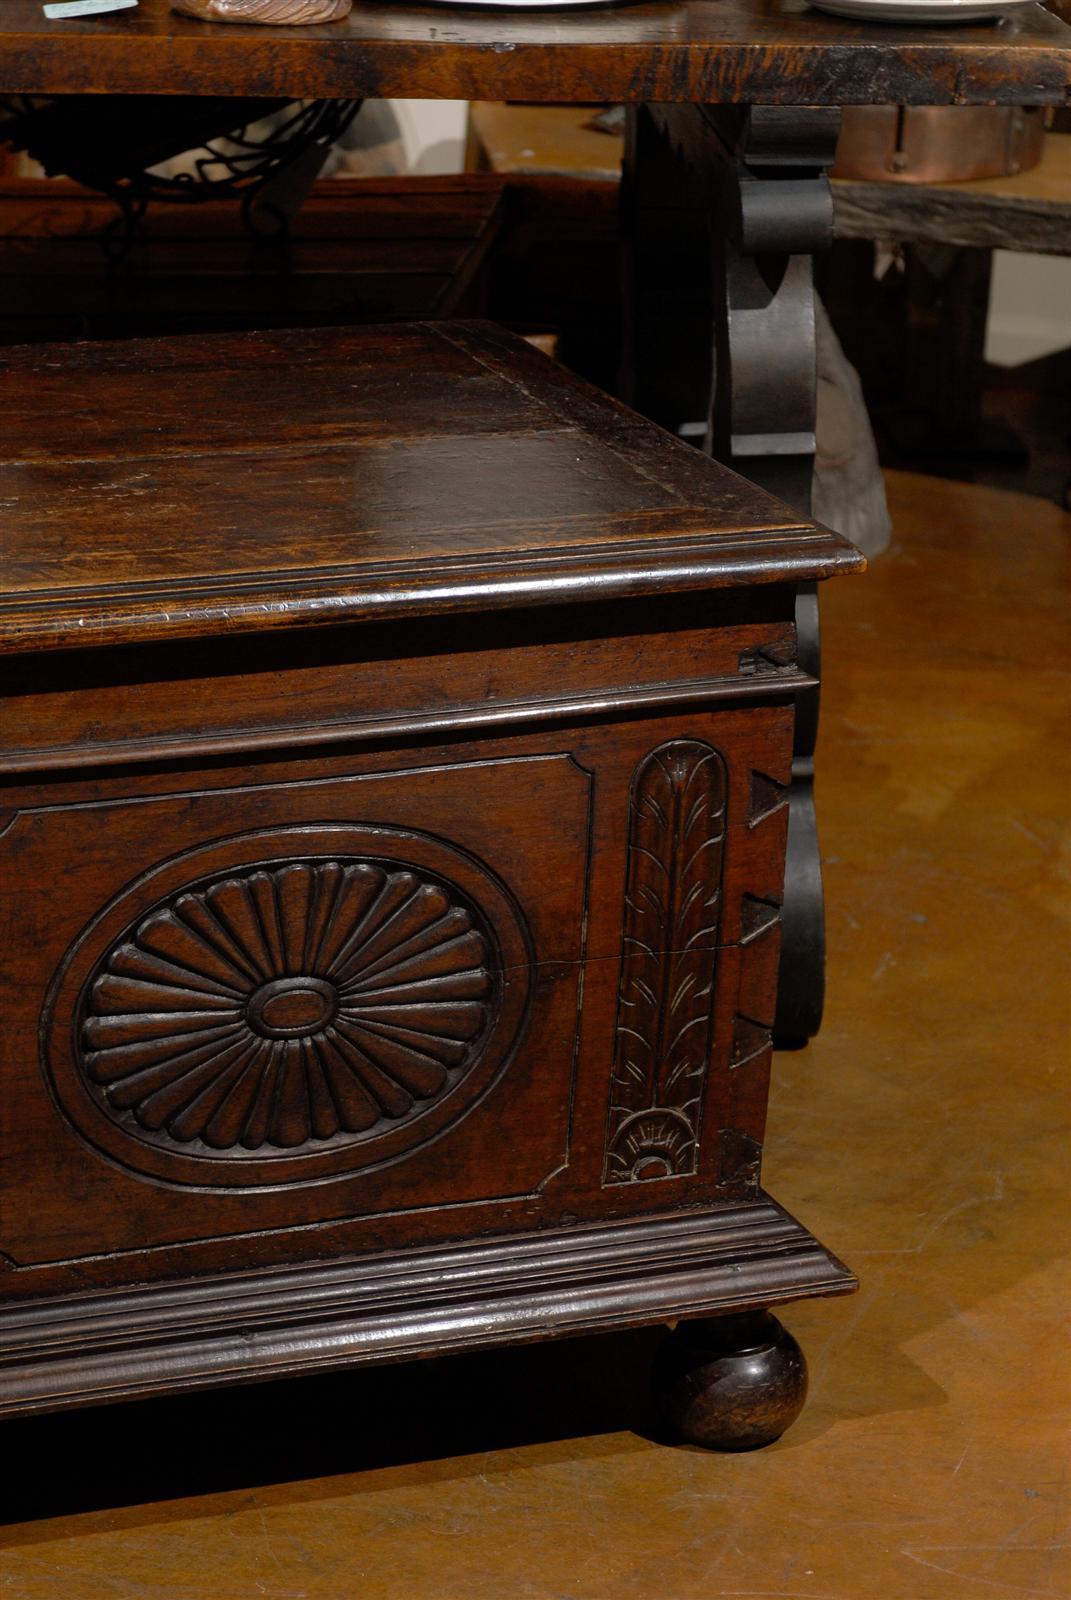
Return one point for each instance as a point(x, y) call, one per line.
point(394, 761)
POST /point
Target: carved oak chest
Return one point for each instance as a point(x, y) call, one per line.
point(393, 770)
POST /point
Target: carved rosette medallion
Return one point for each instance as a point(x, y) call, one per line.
point(669, 959)
point(311, 1001)
point(295, 1008)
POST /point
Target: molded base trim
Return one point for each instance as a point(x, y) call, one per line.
point(279, 1322)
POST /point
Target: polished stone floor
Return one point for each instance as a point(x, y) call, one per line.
point(923, 1137)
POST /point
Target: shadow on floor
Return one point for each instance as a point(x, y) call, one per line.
point(226, 1439)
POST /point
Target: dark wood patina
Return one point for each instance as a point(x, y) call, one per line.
point(220, 679)
point(777, 52)
point(396, 745)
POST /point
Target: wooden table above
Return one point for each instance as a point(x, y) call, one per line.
point(777, 52)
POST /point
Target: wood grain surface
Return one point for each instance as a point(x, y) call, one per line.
point(773, 51)
point(1028, 210)
point(200, 486)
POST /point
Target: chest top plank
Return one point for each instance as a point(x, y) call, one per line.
point(209, 485)
point(775, 52)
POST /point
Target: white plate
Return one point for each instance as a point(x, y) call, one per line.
point(921, 10)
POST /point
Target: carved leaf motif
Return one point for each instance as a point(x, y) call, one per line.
point(315, 1000)
point(669, 958)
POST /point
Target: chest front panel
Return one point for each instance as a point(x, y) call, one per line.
point(336, 998)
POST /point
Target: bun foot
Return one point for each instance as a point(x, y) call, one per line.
point(730, 1383)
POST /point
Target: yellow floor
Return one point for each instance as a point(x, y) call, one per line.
point(923, 1137)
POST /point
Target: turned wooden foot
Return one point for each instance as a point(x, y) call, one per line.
point(731, 1383)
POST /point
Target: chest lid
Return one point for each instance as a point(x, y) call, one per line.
point(206, 485)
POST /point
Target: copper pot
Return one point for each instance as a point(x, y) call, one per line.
point(938, 144)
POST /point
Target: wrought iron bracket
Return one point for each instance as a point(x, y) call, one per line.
point(724, 208)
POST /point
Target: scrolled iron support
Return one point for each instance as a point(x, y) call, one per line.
point(727, 205)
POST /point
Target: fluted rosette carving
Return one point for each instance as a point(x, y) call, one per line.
point(296, 1002)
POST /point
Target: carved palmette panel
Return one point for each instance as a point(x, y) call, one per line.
point(289, 1016)
point(669, 959)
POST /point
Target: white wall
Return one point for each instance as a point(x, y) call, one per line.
point(1029, 307)
point(434, 133)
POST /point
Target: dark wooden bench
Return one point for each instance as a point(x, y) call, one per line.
point(395, 747)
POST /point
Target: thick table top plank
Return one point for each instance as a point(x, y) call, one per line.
point(718, 51)
point(1026, 211)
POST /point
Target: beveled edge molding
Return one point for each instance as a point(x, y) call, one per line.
point(766, 685)
point(143, 613)
point(109, 1345)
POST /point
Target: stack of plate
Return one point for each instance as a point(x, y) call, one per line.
point(922, 10)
